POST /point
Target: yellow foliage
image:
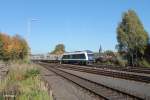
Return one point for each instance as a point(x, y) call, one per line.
point(13, 47)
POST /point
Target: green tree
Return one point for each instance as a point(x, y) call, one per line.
point(59, 49)
point(132, 37)
point(147, 53)
point(109, 53)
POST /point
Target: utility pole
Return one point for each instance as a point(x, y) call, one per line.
point(29, 22)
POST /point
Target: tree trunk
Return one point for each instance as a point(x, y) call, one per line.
point(132, 60)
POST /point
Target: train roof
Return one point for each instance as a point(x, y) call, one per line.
point(78, 52)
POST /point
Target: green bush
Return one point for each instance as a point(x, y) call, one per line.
point(32, 73)
point(120, 61)
point(1, 97)
point(109, 63)
point(143, 63)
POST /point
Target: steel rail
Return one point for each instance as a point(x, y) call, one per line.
point(103, 91)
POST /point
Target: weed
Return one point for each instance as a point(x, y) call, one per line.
point(31, 73)
point(25, 77)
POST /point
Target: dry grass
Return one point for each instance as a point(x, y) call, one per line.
point(25, 79)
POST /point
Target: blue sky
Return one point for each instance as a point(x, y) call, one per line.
point(79, 24)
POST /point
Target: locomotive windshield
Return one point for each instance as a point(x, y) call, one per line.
point(91, 56)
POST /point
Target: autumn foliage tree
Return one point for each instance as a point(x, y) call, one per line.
point(12, 48)
point(6, 47)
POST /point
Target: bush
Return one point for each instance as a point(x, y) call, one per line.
point(1, 97)
point(143, 63)
point(32, 73)
point(120, 61)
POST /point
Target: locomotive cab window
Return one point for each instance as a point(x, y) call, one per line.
point(90, 56)
point(81, 56)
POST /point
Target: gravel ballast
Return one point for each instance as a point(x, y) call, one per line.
point(135, 88)
point(65, 90)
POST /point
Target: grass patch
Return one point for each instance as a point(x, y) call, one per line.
point(25, 79)
point(32, 73)
point(31, 90)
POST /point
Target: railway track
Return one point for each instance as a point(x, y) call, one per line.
point(107, 72)
point(104, 92)
point(112, 67)
point(128, 69)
